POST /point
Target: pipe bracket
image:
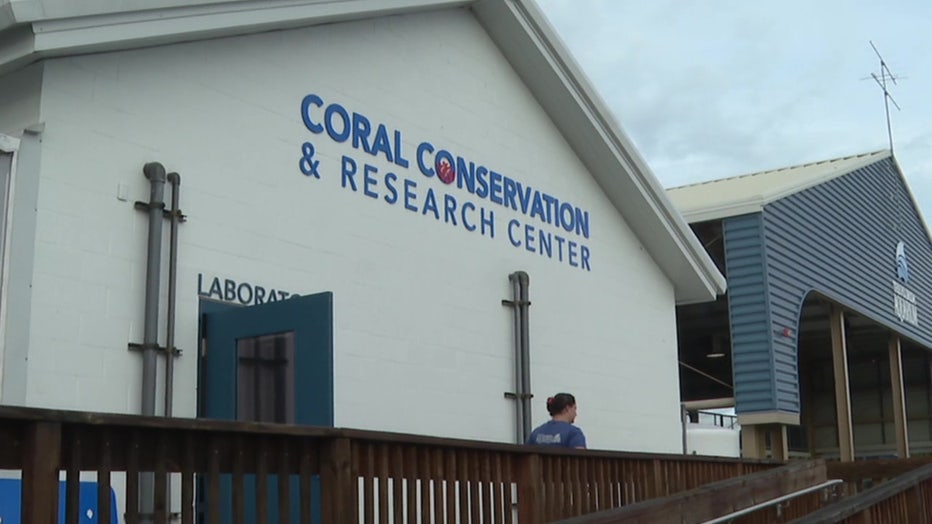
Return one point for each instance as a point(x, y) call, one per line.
point(176, 214)
point(515, 303)
point(512, 395)
point(166, 213)
point(147, 206)
point(162, 349)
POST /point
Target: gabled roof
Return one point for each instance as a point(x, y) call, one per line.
point(728, 197)
point(34, 29)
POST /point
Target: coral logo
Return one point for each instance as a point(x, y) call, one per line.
point(902, 264)
point(445, 171)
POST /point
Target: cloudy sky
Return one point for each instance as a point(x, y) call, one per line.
point(715, 88)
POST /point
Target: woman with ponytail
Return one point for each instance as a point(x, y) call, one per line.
point(559, 431)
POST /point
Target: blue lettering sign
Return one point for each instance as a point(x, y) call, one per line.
point(361, 129)
point(409, 195)
point(336, 112)
point(369, 180)
point(430, 204)
point(513, 224)
point(310, 124)
point(449, 209)
point(470, 206)
point(379, 140)
point(425, 167)
point(392, 195)
point(348, 172)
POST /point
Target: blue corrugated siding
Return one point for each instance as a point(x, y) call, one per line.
point(838, 239)
point(749, 314)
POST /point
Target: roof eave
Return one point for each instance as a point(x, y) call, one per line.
point(34, 34)
point(549, 71)
point(696, 204)
point(723, 211)
point(912, 198)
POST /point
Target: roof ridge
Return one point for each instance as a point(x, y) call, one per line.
point(786, 168)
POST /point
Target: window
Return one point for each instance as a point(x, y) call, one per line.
point(265, 378)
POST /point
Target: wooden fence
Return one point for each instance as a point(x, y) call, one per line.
point(238, 471)
point(899, 491)
point(717, 499)
point(894, 491)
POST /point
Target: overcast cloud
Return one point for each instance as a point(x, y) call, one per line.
point(716, 88)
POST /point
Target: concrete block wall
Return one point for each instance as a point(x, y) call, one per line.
point(422, 342)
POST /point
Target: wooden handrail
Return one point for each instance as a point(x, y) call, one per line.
point(91, 419)
point(715, 499)
point(773, 502)
point(361, 474)
point(909, 496)
point(876, 470)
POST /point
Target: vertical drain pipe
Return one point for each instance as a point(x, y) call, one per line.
point(175, 215)
point(520, 435)
point(522, 395)
point(155, 172)
point(522, 307)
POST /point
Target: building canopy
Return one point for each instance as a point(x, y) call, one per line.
point(847, 230)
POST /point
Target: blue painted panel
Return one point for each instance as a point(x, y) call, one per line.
point(839, 239)
point(11, 502)
point(749, 314)
point(854, 223)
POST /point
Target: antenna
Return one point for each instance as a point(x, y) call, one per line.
point(881, 80)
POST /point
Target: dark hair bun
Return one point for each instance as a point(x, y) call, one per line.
point(559, 402)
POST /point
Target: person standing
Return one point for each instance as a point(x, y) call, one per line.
point(559, 431)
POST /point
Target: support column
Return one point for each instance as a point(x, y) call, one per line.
point(899, 401)
point(807, 401)
point(779, 449)
point(842, 396)
point(753, 442)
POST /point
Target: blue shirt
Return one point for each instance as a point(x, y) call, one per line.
point(558, 433)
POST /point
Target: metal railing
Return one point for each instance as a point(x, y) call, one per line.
point(778, 505)
point(712, 418)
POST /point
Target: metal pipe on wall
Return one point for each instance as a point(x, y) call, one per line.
point(155, 172)
point(523, 307)
point(519, 287)
point(174, 179)
point(520, 436)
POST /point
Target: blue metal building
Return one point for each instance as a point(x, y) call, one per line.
point(829, 268)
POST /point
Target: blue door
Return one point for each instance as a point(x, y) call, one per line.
point(271, 362)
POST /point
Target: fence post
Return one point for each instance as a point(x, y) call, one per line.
point(659, 483)
point(529, 487)
point(914, 501)
point(338, 481)
point(41, 463)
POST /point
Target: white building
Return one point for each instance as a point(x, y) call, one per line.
point(310, 138)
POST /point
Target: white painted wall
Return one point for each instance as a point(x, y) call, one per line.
point(19, 99)
point(422, 342)
point(20, 93)
point(702, 439)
